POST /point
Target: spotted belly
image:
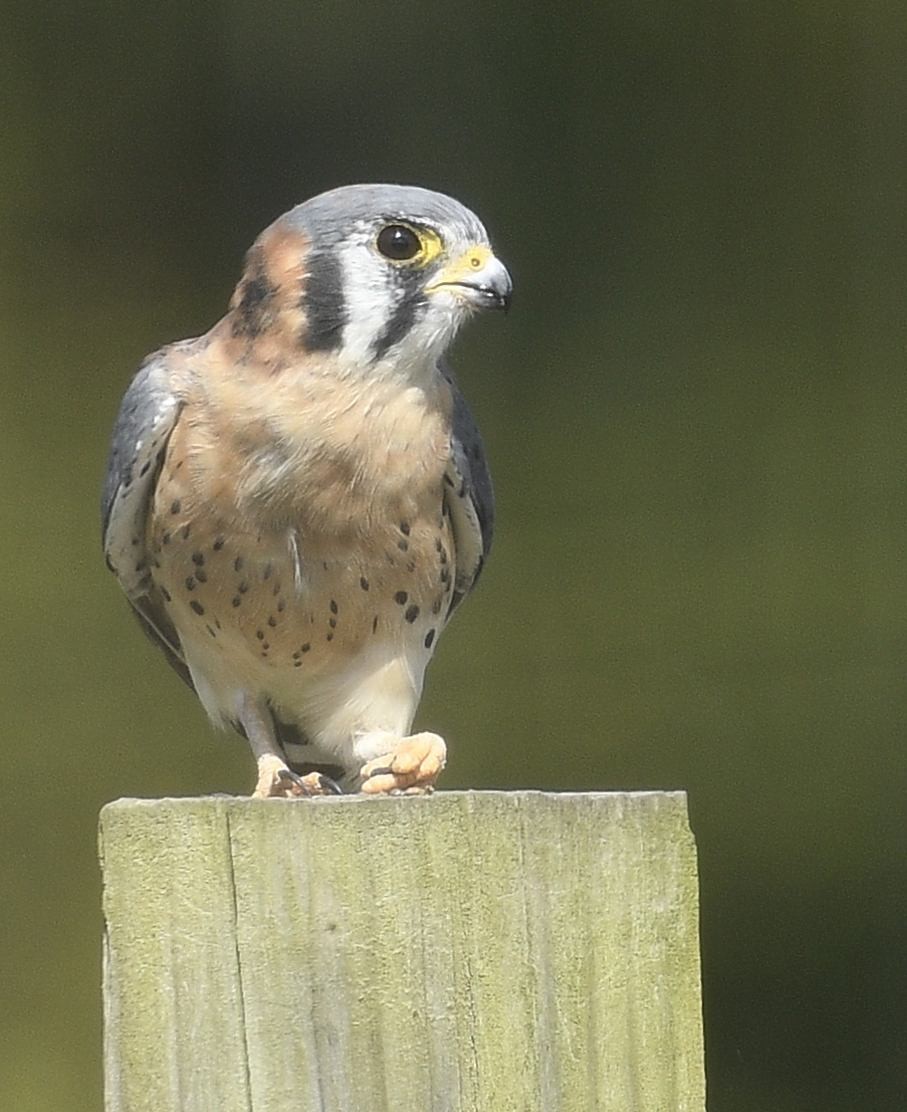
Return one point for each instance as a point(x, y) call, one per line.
point(298, 622)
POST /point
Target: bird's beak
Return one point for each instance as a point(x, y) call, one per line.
point(478, 277)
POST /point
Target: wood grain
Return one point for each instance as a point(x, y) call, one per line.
point(468, 951)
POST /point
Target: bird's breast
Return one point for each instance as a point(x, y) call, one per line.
point(296, 536)
point(323, 451)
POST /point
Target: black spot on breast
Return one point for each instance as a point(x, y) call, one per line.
point(334, 607)
point(332, 623)
point(272, 621)
point(281, 605)
point(400, 598)
point(429, 638)
point(201, 575)
point(412, 612)
point(330, 637)
point(190, 583)
point(323, 302)
point(243, 587)
point(266, 572)
point(167, 596)
point(403, 544)
point(184, 532)
point(238, 563)
point(218, 544)
point(198, 559)
point(305, 648)
point(175, 506)
point(197, 606)
point(236, 600)
point(165, 539)
point(404, 528)
point(260, 634)
point(375, 624)
point(363, 583)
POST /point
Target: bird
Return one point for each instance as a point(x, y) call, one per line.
point(297, 501)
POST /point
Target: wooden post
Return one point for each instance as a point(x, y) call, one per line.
point(464, 952)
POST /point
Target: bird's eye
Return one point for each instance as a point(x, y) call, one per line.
point(398, 242)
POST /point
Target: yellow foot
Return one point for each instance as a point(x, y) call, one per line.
point(412, 766)
point(277, 781)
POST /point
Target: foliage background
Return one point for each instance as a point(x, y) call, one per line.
point(696, 414)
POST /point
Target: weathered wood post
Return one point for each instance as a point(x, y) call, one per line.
point(466, 952)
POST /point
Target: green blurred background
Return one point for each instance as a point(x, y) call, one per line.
point(696, 414)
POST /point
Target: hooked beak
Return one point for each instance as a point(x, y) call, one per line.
point(479, 278)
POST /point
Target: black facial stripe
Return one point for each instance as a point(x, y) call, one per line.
point(323, 303)
point(401, 321)
point(253, 313)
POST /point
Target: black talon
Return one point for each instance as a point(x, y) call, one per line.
point(325, 783)
point(288, 774)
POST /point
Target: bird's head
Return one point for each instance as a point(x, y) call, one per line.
point(373, 275)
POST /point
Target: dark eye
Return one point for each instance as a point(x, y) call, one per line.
point(398, 242)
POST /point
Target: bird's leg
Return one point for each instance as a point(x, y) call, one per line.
point(410, 765)
point(275, 778)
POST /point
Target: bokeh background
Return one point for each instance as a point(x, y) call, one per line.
point(696, 414)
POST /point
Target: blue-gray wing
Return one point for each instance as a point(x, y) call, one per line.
point(468, 494)
point(147, 416)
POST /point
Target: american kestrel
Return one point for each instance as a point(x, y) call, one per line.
point(297, 501)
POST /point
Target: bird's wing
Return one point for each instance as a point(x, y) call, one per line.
point(468, 495)
point(147, 417)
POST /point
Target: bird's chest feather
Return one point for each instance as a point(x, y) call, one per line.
point(308, 530)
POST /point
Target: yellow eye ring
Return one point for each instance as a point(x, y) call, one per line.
point(398, 243)
point(408, 245)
